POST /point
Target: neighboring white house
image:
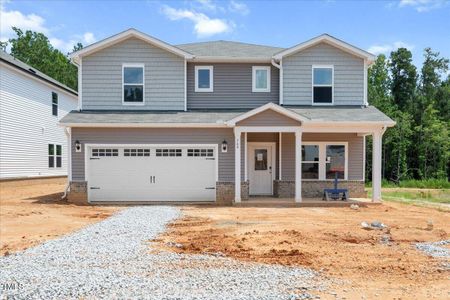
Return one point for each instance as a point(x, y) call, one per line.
point(31, 104)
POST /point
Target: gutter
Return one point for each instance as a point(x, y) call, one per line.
point(67, 131)
point(280, 89)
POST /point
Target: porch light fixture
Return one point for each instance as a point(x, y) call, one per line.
point(224, 146)
point(77, 146)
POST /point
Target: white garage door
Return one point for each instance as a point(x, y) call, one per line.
point(151, 173)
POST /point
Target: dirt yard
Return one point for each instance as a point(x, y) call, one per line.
point(31, 212)
point(381, 264)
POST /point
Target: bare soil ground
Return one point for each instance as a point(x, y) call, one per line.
point(31, 212)
point(381, 264)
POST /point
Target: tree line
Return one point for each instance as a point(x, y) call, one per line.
point(418, 147)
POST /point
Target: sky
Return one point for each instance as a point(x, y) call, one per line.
point(375, 26)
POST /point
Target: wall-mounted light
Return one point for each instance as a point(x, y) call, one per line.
point(224, 146)
point(77, 146)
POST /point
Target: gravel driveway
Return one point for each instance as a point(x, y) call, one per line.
point(113, 259)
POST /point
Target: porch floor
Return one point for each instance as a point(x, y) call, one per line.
point(307, 202)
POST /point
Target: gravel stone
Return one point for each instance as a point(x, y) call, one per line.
point(114, 259)
point(434, 249)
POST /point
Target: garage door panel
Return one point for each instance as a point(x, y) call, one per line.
point(153, 178)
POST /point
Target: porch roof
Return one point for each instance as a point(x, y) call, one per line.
point(214, 118)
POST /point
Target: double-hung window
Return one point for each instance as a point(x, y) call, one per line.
point(204, 81)
point(54, 156)
point(54, 104)
point(322, 84)
point(133, 84)
point(261, 79)
point(323, 160)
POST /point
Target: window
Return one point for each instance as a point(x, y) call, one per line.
point(310, 162)
point(136, 152)
point(54, 156)
point(260, 159)
point(204, 78)
point(322, 160)
point(261, 79)
point(323, 77)
point(168, 152)
point(133, 84)
point(96, 152)
point(200, 153)
point(335, 161)
point(54, 104)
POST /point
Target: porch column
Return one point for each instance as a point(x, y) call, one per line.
point(237, 165)
point(298, 166)
point(376, 166)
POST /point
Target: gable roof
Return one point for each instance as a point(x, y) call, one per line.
point(326, 38)
point(229, 50)
point(117, 38)
point(12, 61)
point(269, 106)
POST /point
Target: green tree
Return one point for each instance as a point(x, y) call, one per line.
point(404, 78)
point(34, 48)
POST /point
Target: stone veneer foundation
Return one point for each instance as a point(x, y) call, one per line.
point(225, 192)
point(314, 189)
point(78, 192)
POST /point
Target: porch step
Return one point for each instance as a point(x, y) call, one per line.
point(273, 202)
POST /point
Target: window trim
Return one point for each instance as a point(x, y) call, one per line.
point(324, 85)
point(133, 65)
point(323, 158)
point(211, 79)
point(57, 104)
point(55, 156)
point(254, 88)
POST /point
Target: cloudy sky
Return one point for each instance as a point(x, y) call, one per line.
point(376, 26)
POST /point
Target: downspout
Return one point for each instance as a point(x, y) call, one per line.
point(67, 131)
point(280, 89)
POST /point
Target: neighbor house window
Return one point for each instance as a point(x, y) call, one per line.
point(54, 156)
point(323, 160)
point(54, 104)
point(133, 84)
point(322, 84)
point(310, 162)
point(204, 78)
point(261, 79)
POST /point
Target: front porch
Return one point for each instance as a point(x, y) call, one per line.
point(306, 202)
point(281, 154)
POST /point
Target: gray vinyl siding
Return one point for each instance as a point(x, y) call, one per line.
point(232, 87)
point(154, 136)
point(102, 77)
point(269, 118)
point(348, 75)
point(355, 152)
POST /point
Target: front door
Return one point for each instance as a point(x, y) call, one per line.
point(261, 168)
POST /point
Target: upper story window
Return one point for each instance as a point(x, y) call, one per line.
point(323, 79)
point(54, 104)
point(133, 84)
point(261, 79)
point(204, 78)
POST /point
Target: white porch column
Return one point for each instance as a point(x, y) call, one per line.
point(237, 165)
point(298, 166)
point(376, 166)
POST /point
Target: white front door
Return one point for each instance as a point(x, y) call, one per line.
point(261, 168)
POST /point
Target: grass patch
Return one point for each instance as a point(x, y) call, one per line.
point(418, 184)
point(414, 196)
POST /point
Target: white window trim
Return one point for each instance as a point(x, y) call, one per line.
point(55, 156)
point(125, 65)
point(323, 158)
point(254, 88)
point(318, 85)
point(211, 79)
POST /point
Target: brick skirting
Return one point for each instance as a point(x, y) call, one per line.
point(225, 192)
point(314, 189)
point(78, 192)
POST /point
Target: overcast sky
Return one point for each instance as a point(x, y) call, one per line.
point(376, 26)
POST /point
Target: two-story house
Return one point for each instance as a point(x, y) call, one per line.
point(220, 121)
point(32, 144)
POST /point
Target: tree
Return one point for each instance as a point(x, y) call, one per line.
point(404, 78)
point(34, 49)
